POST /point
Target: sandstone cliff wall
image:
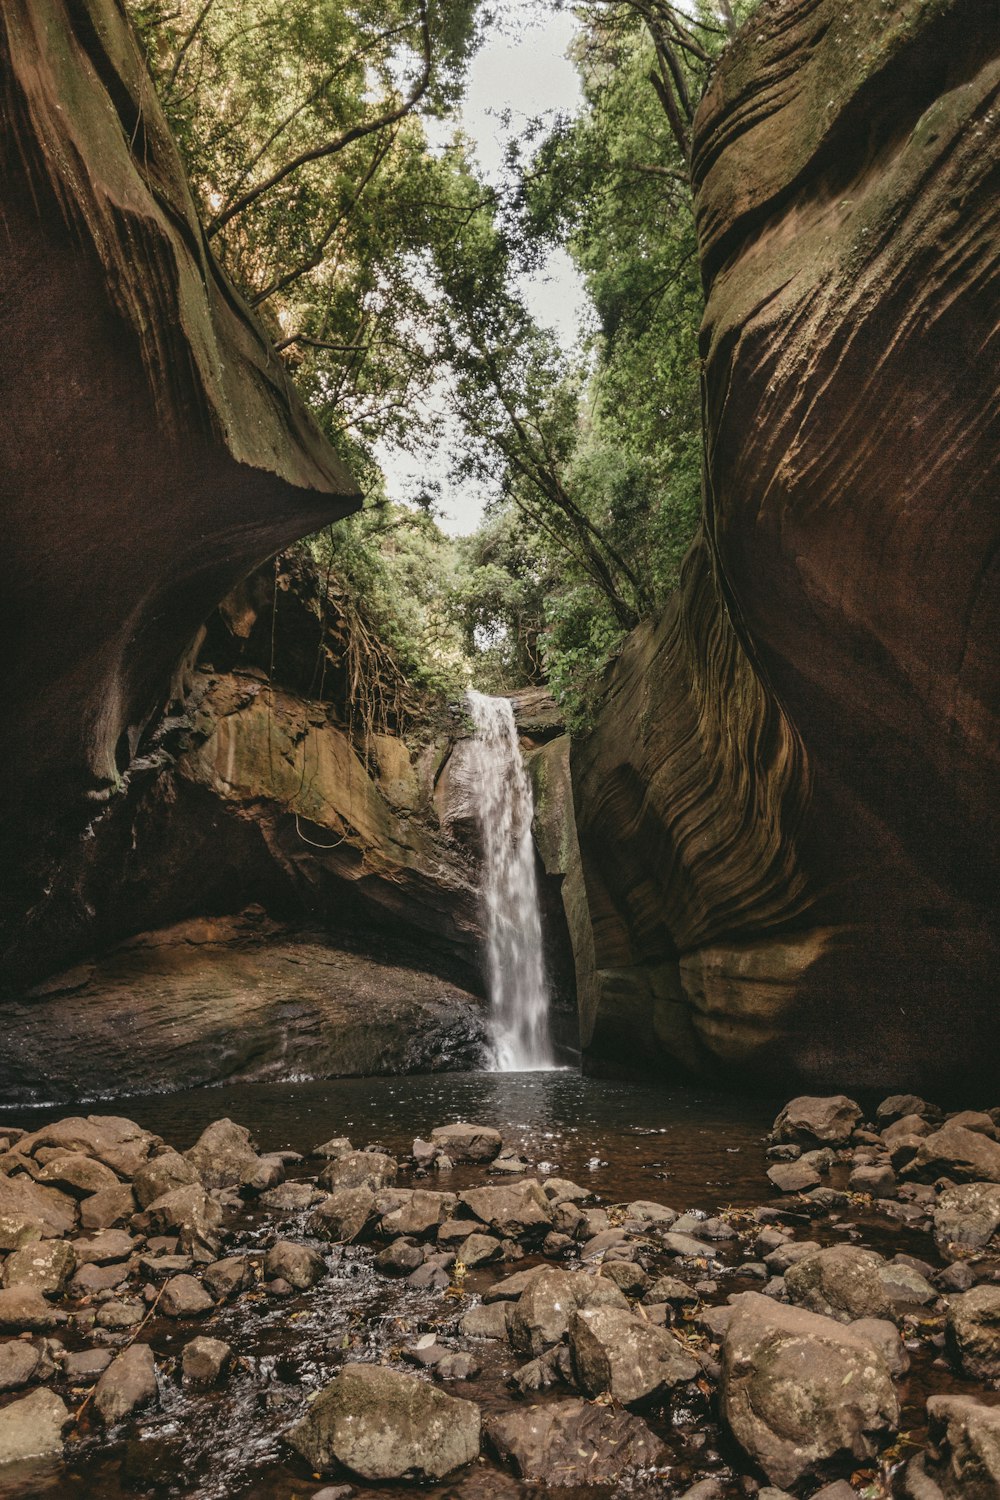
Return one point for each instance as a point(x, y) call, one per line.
point(788, 811)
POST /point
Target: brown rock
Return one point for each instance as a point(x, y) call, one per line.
point(128, 1383)
point(573, 1443)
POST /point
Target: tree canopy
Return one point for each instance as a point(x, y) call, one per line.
point(339, 197)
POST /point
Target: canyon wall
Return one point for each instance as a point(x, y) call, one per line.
point(788, 810)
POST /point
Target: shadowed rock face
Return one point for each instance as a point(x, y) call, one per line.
point(787, 813)
point(153, 450)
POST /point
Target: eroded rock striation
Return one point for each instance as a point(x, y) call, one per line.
point(153, 448)
point(787, 812)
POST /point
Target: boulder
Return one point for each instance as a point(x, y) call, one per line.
point(338, 1145)
point(77, 1174)
point(973, 1329)
point(224, 1155)
point(290, 1198)
point(953, 1151)
point(296, 1264)
point(161, 1175)
point(565, 1444)
point(401, 1258)
point(184, 1297)
point(24, 1308)
point(84, 1366)
point(47, 1265)
point(807, 1120)
point(422, 1213)
point(488, 1320)
point(793, 1176)
point(546, 1307)
point(107, 1208)
point(128, 1383)
point(53, 1210)
point(359, 1169)
point(899, 1106)
point(382, 1424)
point(467, 1143)
point(224, 1278)
point(967, 1217)
point(32, 1427)
point(19, 1364)
point(799, 1389)
point(511, 1210)
point(193, 1216)
point(478, 1249)
point(104, 1247)
point(343, 1215)
point(647, 1212)
point(885, 1337)
point(621, 1354)
point(963, 1461)
point(842, 1282)
point(204, 1361)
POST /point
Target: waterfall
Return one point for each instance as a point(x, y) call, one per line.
point(519, 996)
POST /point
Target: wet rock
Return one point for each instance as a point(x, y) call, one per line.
point(24, 1308)
point(480, 1248)
point(224, 1278)
point(909, 1125)
point(120, 1315)
point(47, 1265)
point(647, 1212)
point(510, 1210)
point(85, 1365)
point(467, 1143)
point(224, 1155)
point(670, 1289)
point(514, 1286)
point(184, 1297)
point(545, 1309)
point(268, 1174)
point(685, 1246)
point(573, 1443)
point(193, 1215)
point(974, 1331)
point(842, 1282)
point(601, 1244)
point(964, 1458)
point(339, 1145)
point(879, 1182)
point(884, 1336)
point(626, 1275)
point(429, 1277)
point(792, 1177)
point(422, 1213)
point(334, 1492)
point(905, 1286)
point(290, 1197)
point(92, 1279)
point(19, 1364)
point(204, 1361)
point(622, 1354)
point(552, 1368)
point(799, 1389)
point(160, 1267)
point(592, 1221)
point(457, 1365)
point(400, 1258)
point(382, 1424)
point(953, 1151)
point(838, 1490)
point(957, 1277)
point(296, 1264)
point(163, 1174)
point(128, 1383)
point(561, 1190)
point(32, 1427)
point(556, 1245)
point(343, 1215)
point(967, 1217)
point(808, 1120)
point(279, 1287)
point(110, 1207)
point(569, 1220)
point(489, 1320)
point(105, 1246)
point(359, 1169)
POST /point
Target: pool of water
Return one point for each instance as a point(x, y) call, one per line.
point(692, 1148)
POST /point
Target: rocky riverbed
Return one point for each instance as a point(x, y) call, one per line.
point(225, 1323)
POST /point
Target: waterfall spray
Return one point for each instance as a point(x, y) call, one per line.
point(519, 996)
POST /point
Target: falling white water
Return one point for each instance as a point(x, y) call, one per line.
point(519, 996)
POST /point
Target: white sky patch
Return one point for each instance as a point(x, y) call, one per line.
point(521, 74)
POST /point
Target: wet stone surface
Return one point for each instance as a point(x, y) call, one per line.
point(242, 1312)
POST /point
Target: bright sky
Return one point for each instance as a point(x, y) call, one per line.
point(523, 68)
